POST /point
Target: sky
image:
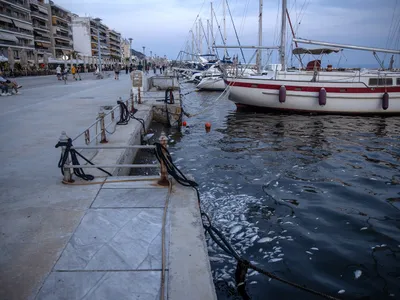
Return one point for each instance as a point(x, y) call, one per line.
point(163, 26)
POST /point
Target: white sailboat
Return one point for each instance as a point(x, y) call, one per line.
point(318, 90)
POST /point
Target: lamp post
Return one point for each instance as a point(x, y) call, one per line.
point(98, 20)
point(130, 51)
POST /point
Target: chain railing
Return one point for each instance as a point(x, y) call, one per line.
point(89, 142)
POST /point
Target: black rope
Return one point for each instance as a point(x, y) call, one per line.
point(163, 156)
point(74, 160)
point(125, 116)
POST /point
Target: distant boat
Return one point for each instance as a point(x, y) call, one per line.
point(316, 89)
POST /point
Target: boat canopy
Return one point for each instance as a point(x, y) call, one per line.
point(316, 51)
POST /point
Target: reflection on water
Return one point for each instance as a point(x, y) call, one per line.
point(314, 199)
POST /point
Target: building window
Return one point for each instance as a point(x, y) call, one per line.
point(380, 81)
point(398, 81)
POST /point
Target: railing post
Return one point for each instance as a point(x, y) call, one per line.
point(164, 172)
point(67, 171)
point(102, 126)
point(139, 96)
point(132, 105)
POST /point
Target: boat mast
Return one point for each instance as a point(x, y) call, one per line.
point(283, 34)
point(192, 45)
point(224, 21)
point(200, 37)
point(212, 27)
point(259, 57)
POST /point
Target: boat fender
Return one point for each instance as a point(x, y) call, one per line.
point(322, 97)
point(385, 101)
point(282, 94)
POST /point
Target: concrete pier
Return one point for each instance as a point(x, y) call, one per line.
point(88, 241)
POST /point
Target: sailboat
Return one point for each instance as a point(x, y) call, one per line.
point(315, 89)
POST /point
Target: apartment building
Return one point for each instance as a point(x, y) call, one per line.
point(114, 44)
point(125, 49)
point(88, 33)
point(61, 31)
point(41, 27)
point(16, 31)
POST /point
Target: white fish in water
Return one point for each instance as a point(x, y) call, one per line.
point(254, 273)
point(341, 292)
point(271, 232)
point(235, 229)
point(240, 235)
point(253, 239)
point(357, 274)
point(280, 255)
point(253, 282)
point(364, 228)
point(265, 240)
point(309, 252)
point(274, 260)
point(314, 248)
point(216, 259)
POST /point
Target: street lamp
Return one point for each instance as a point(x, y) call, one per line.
point(98, 20)
point(130, 50)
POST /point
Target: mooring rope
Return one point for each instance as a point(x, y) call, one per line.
point(74, 160)
point(243, 265)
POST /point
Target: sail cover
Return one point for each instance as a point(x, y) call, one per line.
point(316, 51)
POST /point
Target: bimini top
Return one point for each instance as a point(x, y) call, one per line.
point(316, 51)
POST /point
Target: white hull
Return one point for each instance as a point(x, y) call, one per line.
point(303, 96)
point(212, 84)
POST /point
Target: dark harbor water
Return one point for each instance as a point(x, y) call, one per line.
point(313, 199)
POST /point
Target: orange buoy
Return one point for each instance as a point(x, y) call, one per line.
point(184, 123)
point(208, 127)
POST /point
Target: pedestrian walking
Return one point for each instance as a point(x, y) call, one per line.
point(126, 69)
point(116, 71)
point(58, 72)
point(73, 71)
point(160, 69)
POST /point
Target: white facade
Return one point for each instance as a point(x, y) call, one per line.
point(82, 36)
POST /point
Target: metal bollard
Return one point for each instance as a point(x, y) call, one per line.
point(164, 172)
point(67, 171)
point(139, 96)
point(102, 126)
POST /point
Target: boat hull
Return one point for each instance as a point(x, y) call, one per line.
point(342, 98)
point(211, 84)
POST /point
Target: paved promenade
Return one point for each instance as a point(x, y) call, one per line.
point(96, 241)
point(37, 213)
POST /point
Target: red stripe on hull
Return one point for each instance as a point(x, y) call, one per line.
point(341, 90)
point(245, 107)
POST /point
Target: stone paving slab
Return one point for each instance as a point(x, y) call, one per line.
point(143, 285)
point(130, 198)
point(115, 239)
point(151, 184)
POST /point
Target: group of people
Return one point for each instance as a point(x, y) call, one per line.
point(8, 87)
point(74, 71)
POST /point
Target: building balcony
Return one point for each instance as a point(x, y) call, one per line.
point(15, 16)
point(19, 31)
point(62, 37)
point(18, 3)
point(40, 16)
point(63, 47)
point(21, 45)
point(42, 39)
point(41, 27)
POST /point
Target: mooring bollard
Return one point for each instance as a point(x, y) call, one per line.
point(67, 171)
point(102, 126)
point(132, 105)
point(164, 172)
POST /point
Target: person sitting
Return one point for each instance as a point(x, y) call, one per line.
point(5, 84)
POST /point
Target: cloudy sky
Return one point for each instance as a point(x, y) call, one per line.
point(163, 26)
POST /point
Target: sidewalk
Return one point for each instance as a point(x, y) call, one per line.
point(37, 213)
